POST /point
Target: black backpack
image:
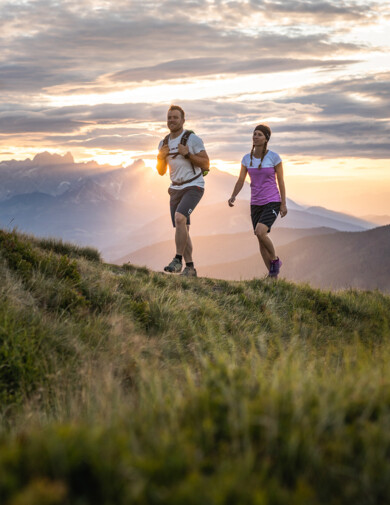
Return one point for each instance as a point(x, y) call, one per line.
point(183, 141)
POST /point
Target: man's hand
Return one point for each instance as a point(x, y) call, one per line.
point(163, 153)
point(183, 150)
point(231, 201)
point(283, 210)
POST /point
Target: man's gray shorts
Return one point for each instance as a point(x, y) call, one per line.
point(184, 201)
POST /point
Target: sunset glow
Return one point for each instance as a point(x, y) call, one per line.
point(98, 85)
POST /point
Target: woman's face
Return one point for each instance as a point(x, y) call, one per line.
point(259, 138)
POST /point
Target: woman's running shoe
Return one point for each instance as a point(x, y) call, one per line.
point(275, 268)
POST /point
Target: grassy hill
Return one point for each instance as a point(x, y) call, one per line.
point(119, 385)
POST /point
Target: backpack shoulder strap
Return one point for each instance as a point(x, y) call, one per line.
point(183, 142)
point(166, 140)
point(186, 136)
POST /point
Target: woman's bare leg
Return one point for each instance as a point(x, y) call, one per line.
point(267, 249)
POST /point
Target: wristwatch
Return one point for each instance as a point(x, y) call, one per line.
point(186, 156)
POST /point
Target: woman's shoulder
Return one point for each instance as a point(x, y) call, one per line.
point(246, 158)
point(274, 156)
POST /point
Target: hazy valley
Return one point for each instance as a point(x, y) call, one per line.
point(124, 212)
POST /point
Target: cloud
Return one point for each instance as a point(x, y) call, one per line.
point(361, 97)
point(192, 67)
point(14, 123)
point(318, 11)
point(17, 119)
point(317, 120)
point(113, 140)
point(373, 87)
point(76, 44)
point(94, 47)
point(377, 150)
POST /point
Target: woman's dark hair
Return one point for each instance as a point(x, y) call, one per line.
point(267, 133)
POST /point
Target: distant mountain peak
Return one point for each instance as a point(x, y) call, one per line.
point(89, 191)
point(140, 164)
point(47, 158)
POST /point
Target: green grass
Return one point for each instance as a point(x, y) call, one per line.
point(119, 385)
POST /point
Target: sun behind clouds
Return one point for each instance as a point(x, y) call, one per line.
point(96, 79)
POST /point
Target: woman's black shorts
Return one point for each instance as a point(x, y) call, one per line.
point(184, 201)
point(265, 214)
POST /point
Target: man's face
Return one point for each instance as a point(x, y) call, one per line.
point(175, 120)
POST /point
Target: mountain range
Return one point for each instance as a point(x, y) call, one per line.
point(124, 212)
point(219, 219)
point(319, 256)
point(215, 249)
point(332, 261)
point(121, 209)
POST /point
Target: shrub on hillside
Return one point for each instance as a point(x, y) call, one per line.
point(68, 249)
point(26, 261)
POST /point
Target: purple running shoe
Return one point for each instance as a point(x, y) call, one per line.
point(275, 268)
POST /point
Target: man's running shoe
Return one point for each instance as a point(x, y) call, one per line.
point(275, 268)
point(189, 272)
point(174, 266)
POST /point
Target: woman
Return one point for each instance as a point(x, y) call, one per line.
point(267, 200)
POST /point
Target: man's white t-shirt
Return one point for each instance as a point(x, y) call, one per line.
point(180, 168)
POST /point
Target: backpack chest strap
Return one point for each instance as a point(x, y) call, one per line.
point(174, 183)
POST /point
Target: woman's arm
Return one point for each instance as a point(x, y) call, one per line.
point(282, 188)
point(238, 186)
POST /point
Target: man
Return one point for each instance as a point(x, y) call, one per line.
point(186, 164)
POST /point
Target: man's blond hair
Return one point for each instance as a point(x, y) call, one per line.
point(177, 107)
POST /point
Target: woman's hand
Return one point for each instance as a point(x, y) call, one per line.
point(283, 210)
point(231, 201)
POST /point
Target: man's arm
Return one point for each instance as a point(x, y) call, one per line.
point(162, 160)
point(200, 159)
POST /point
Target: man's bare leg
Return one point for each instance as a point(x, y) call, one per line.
point(187, 253)
point(188, 250)
point(181, 240)
point(184, 244)
point(181, 234)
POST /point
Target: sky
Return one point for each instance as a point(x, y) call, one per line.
point(96, 77)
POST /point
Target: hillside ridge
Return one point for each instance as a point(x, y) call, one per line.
point(119, 383)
